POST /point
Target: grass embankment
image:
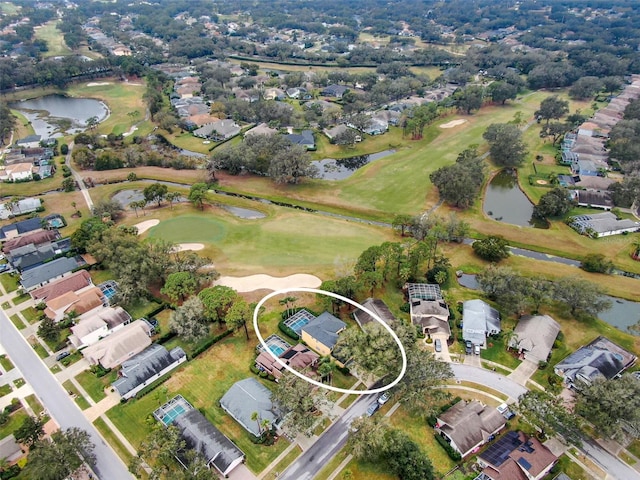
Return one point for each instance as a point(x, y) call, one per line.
point(79, 399)
point(113, 441)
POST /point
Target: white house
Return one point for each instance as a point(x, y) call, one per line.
point(97, 325)
point(17, 172)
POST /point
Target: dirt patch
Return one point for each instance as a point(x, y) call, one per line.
point(541, 182)
point(97, 84)
point(267, 282)
point(146, 225)
point(453, 123)
point(181, 247)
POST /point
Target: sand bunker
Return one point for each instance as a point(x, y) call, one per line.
point(453, 123)
point(181, 247)
point(146, 225)
point(97, 84)
point(541, 182)
point(267, 282)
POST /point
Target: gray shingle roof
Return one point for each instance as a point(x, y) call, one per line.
point(200, 435)
point(246, 397)
point(143, 366)
point(38, 275)
point(22, 227)
point(325, 328)
point(376, 306)
point(478, 319)
point(535, 336)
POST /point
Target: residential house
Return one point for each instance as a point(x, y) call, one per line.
point(247, 397)
point(80, 303)
point(515, 456)
point(274, 94)
point(600, 359)
point(121, 51)
point(10, 450)
point(534, 336)
point(120, 346)
point(304, 138)
point(593, 198)
point(432, 316)
point(468, 425)
point(377, 126)
point(146, 367)
point(336, 131)
point(23, 227)
point(321, 333)
point(336, 91)
point(296, 92)
point(389, 116)
point(200, 435)
point(423, 291)
point(21, 207)
point(30, 256)
point(30, 141)
point(261, 129)
point(43, 274)
point(479, 320)
point(584, 168)
point(94, 326)
point(218, 131)
point(35, 238)
point(72, 283)
point(602, 225)
point(375, 306)
point(298, 357)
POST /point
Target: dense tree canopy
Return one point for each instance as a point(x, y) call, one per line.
point(459, 184)
point(505, 144)
point(555, 203)
point(66, 454)
point(492, 248)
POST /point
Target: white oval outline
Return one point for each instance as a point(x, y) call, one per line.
point(315, 382)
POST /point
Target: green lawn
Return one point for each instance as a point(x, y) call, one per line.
point(5, 390)
point(141, 308)
point(10, 281)
point(15, 420)
point(496, 352)
point(288, 242)
point(34, 403)
point(40, 350)
point(111, 438)
point(31, 315)
point(79, 399)
point(6, 363)
point(95, 386)
point(283, 464)
point(202, 382)
point(21, 299)
point(19, 382)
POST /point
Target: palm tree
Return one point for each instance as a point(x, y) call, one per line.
point(173, 197)
point(255, 416)
point(510, 336)
point(326, 369)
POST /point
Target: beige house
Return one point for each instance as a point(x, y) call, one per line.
point(96, 325)
point(79, 302)
point(17, 172)
point(122, 345)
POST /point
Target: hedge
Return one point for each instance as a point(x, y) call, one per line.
point(453, 454)
point(163, 306)
point(287, 331)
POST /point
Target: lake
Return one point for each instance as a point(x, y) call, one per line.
point(505, 202)
point(339, 169)
point(47, 114)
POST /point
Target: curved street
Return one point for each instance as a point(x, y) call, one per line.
point(57, 401)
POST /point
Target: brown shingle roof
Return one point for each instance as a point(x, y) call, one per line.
point(76, 302)
point(36, 238)
point(72, 283)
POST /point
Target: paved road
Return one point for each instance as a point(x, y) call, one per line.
point(328, 445)
point(78, 178)
point(488, 378)
point(611, 464)
point(58, 402)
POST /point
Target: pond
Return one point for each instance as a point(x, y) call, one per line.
point(622, 314)
point(339, 169)
point(243, 212)
point(125, 197)
point(53, 115)
point(505, 202)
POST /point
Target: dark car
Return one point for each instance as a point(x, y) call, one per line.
point(373, 408)
point(62, 355)
point(469, 347)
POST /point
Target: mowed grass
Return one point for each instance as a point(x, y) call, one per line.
point(55, 41)
point(203, 382)
point(95, 386)
point(121, 98)
point(288, 241)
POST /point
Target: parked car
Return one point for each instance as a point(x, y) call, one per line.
point(437, 345)
point(62, 355)
point(503, 408)
point(4, 267)
point(384, 398)
point(469, 347)
point(476, 349)
point(373, 408)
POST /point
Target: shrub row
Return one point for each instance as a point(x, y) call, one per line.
point(453, 455)
point(287, 331)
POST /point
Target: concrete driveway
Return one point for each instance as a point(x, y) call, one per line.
point(242, 472)
point(523, 372)
point(444, 354)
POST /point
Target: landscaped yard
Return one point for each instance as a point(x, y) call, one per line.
point(15, 420)
point(40, 350)
point(79, 399)
point(21, 299)
point(6, 363)
point(34, 403)
point(111, 438)
point(496, 351)
point(31, 315)
point(141, 308)
point(9, 281)
point(95, 386)
point(203, 382)
point(5, 390)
